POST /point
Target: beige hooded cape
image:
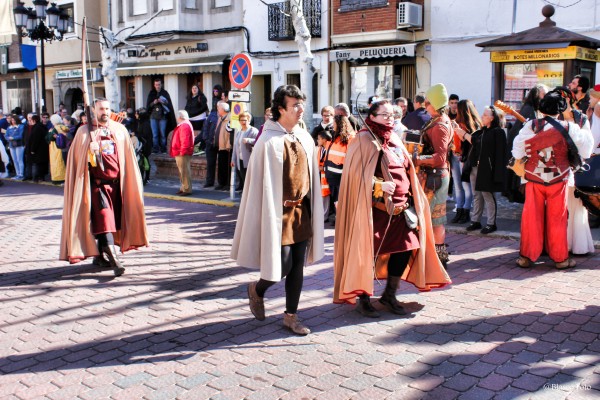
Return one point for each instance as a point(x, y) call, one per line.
point(77, 242)
point(353, 245)
point(257, 238)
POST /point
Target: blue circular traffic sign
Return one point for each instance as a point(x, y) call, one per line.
point(240, 71)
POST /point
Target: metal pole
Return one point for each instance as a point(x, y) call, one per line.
point(43, 78)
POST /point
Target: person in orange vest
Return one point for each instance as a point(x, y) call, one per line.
point(323, 141)
point(343, 133)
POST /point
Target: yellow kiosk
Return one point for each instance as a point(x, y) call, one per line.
point(546, 54)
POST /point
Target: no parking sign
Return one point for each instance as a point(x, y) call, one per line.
point(240, 71)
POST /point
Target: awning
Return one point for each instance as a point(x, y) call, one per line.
point(202, 65)
point(350, 54)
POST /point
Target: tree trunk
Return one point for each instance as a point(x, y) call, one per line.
point(109, 68)
point(306, 58)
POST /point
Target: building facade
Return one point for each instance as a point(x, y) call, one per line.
point(63, 72)
point(379, 48)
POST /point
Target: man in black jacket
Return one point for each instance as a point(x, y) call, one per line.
point(36, 151)
point(162, 116)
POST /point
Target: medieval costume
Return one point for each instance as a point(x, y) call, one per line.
point(372, 224)
point(102, 203)
point(545, 143)
point(434, 163)
point(281, 214)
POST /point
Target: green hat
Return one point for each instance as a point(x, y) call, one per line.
point(437, 96)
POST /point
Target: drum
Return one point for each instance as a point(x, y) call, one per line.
point(587, 186)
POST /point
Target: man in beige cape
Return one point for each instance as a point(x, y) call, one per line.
point(280, 222)
point(123, 195)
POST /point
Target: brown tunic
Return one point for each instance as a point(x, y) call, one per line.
point(296, 224)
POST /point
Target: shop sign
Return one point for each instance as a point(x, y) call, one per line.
point(165, 53)
point(565, 53)
point(69, 74)
point(407, 50)
point(94, 74)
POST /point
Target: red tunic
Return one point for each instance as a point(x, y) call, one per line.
point(106, 190)
point(399, 237)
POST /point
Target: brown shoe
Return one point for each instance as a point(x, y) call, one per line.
point(291, 322)
point(523, 262)
point(568, 263)
point(257, 303)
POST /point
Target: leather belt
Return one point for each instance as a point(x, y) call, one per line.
point(99, 182)
point(433, 170)
point(292, 203)
point(397, 209)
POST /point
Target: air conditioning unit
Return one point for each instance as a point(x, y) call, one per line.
point(410, 15)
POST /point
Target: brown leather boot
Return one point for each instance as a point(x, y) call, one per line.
point(113, 259)
point(292, 322)
point(388, 298)
point(365, 308)
point(257, 303)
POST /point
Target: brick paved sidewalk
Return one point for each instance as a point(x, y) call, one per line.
point(176, 325)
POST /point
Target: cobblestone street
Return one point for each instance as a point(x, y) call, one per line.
point(177, 324)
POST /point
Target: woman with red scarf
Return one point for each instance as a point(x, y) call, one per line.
point(378, 185)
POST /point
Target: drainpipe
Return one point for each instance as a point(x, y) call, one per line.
point(110, 15)
point(514, 19)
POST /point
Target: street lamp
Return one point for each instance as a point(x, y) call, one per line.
point(41, 25)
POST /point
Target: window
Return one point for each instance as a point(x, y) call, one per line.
point(519, 78)
point(69, 9)
point(222, 3)
point(130, 93)
point(164, 5)
point(294, 79)
point(139, 7)
point(18, 93)
point(371, 80)
point(190, 4)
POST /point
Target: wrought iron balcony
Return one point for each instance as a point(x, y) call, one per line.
point(280, 23)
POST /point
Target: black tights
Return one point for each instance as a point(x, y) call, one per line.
point(398, 262)
point(104, 239)
point(396, 266)
point(292, 268)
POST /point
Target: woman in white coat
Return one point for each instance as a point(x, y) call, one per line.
point(242, 146)
point(280, 221)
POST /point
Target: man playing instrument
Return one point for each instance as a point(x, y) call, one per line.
point(103, 194)
point(545, 143)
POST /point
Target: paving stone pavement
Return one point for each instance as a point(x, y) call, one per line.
point(177, 324)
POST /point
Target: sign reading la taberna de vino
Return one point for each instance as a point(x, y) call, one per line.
point(405, 50)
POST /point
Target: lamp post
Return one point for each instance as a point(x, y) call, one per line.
point(44, 25)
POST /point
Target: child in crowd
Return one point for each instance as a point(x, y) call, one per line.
point(323, 142)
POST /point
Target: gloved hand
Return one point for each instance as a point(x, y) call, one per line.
point(388, 187)
point(94, 147)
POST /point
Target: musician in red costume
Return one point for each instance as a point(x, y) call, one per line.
point(545, 144)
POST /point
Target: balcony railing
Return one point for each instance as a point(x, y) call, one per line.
point(280, 24)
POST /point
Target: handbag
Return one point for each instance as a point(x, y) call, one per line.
point(410, 215)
